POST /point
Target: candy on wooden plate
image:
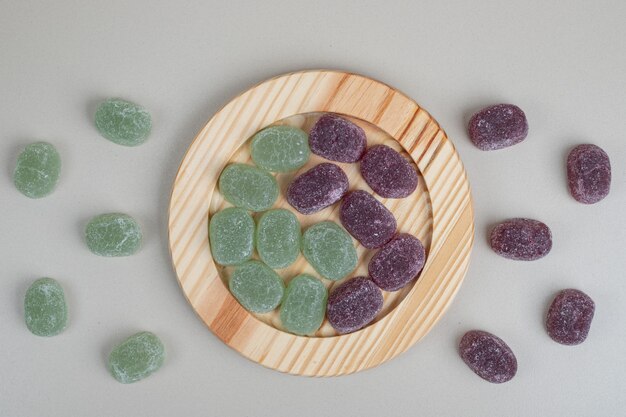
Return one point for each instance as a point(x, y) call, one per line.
point(136, 357)
point(499, 126)
point(521, 239)
point(303, 308)
point(256, 286)
point(337, 139)
point(488, 356)
point(367, 219)
point(280, 148)
point(397, 263)
point(231, 236)
point(388, 173)
point(354, 304)
point(278, 238)
point(329, 250)
point(123, 122)
point(588, 173)
point(113, 234)
point(37, 170)
point(248, 187)
point(569, 317)
point(45, 308)
point(318, 188)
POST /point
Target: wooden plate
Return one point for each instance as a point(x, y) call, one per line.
point(439, 213)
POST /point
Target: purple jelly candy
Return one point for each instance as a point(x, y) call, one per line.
point(335, 138)
point(497, 127)
point(569, 317)
point(388, 173)
point(588, 173)
point(521, 239)
point(488, 356)
point(367, 219)
point(354, 304)
point(397, 263)
point(318, 188)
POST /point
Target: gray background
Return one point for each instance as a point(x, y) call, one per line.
point(563, 62)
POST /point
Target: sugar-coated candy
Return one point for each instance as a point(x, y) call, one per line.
point(231, 236)
point(280, 148)
point(37, 170)
point(397, 263)
point(329, 250)
point(113, 234)
point(499, 126)
point(354, 304)
point(588, 173)
point(256, 286)
point(569, 317)
point(337, 139)
point(278, 238)
point(367, 219)
point(388, 173)
point(248, 187)
point(488, 356)
point(521, 239)
point(318, 188)
point(136, 357)
point(45, 308)
point(123, 122)
point(303, 308)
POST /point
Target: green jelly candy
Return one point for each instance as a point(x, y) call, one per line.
point(248, 187)
point(45, 309)
point(280, 148)
point(123, 122)
point(302, 311)
point(113, 234)
point(37, 170)
point(231, 234)
point(278, 238)
point(329, 249)
point(257, 287)
point(136, 358)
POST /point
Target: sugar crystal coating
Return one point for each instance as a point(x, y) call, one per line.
point(37, 170)
point(354, 304)
point(521, 239)
point(280, 148)
point(113, 234)
point(569, 317)
point(231, 236)
point(388, 173)
point(367, 219)
point(318, 188)
point(337, 139)
point(499, 126)
point(248, 187)
point(488, 356)
point(397, 263)
point(303, 308)
point(329, 249)
point(136, 357)
point(123, 122)
point(45, 308)
point(278, 238)
point(256, 286)
point(588, 173)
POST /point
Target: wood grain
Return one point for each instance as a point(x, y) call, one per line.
point(439, 213)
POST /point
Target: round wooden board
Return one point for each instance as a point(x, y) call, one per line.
point(440, 214)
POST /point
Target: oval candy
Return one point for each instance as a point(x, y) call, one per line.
point(329, 250)
point(231, 236)
point(488, 356)
point(278, 238)
point(280, 148)
point(367, 219)
point(136, 357)
point(354, 304)
point(588, 173)
point(388, 173)
point(569, 317)
point(248, 187)
point(499, 126)
point(397, 263)
point(317, 188)
point(303, 308)
point(337, 139)
point(256, 286)
point(45, 308)
point(113, 234)
point(123, 122)
point(521, 239)
point(37, 170)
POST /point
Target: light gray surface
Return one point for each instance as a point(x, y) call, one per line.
point(562, 62)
